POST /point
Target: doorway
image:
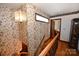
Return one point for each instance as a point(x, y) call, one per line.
point(55, 27)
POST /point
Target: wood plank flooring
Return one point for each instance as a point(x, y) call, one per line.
point(64, 50)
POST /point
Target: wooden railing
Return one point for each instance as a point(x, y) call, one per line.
point(48, 47)
point(40, 46)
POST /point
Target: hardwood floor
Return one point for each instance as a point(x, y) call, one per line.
point(64, 50)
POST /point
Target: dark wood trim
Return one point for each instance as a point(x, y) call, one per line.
point(60, 24)
point(52, 24)
point(64, 14)
point(50, 28)
point(71, 29)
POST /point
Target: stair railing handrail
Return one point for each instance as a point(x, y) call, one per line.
point(48, 47)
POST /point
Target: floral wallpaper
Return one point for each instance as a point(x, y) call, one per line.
point(13, 33)
point(36, 30)
point(9, 32)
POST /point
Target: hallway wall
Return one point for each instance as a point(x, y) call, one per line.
point(9, 32)
point(13, 33)
point(66, 25)
point(36, 30)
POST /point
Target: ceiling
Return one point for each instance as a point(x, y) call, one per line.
point(57, 8)
point(11, 5)
point(51, 9)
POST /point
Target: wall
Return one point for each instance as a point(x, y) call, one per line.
point(13, 33)
point(66, 25)
point(36, 30)
point(57, 25)
point(9, 32)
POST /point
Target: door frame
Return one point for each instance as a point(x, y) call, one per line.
point(51, 32)
point(54, 25)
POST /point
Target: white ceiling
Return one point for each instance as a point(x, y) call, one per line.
point(57, 8)
point(50, 8)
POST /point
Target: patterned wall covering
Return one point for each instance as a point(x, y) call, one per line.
point(9, 32)
point(32, 31)
point(36, 30)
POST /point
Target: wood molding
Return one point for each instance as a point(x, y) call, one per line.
point(41, 45)
point(65, 14)
point(48, 47)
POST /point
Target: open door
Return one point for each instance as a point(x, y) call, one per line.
point(55, 27)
